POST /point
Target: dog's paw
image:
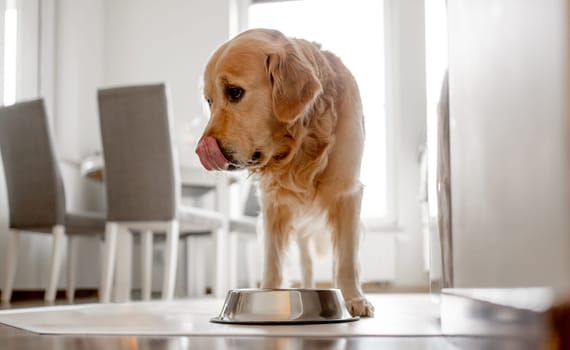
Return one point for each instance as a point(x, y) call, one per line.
point(360, 306)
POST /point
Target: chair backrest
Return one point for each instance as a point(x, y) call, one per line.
point(140, 167)
point(34, 185)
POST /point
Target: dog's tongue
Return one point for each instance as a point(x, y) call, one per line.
point(210, 154)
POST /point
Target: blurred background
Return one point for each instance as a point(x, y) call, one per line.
point(466, 173)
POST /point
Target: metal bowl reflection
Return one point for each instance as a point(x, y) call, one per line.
point(284, 306)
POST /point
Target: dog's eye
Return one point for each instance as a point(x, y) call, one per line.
point(209, 100)
point(235, 93)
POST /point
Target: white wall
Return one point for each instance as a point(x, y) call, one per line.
point(166, 41)
point(510, 112)
point(406, 73)
point(78, 60)
point(79, 69)
point(27, 65)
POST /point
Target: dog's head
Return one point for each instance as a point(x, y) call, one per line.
point(257, 86)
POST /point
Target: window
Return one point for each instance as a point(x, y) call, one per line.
point(19, 50)
point(353, 30)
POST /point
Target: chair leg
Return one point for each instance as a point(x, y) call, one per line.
point(56, 259)
point(146, 256)
point(124, 263)
point(170, 260)
point(234, 259)
point(11, 260)
point(252, 262)
point(221, 261)
point(71, 267)
point(195, 272)
point(108, 263)
point(190, 247)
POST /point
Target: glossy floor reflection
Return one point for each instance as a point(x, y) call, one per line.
point(46, 342)
point(403, 321)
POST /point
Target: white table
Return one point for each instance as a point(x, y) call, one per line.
point(191, 176)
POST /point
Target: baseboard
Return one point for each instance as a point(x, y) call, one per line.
point(38, 294)
point(27, 295)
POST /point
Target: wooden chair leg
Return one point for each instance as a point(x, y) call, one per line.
point(146, 264)
point(11, 261)
point(72, 262)
point(109, 257)
point(59, 239)
point(170, 260)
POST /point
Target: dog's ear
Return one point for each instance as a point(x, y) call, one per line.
point(295, 86)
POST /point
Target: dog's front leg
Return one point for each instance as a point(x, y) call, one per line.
point(304, 242)
point(344, 216)
point(277, 224)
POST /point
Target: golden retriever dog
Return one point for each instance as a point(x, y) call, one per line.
point(290, 112)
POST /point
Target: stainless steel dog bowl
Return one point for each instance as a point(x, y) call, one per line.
point(284, 306)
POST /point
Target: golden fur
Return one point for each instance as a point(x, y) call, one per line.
point(297, 125)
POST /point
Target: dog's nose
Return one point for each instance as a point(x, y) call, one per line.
point(256, 156)
point(210, 154)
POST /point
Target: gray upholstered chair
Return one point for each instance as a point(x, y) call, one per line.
point(35, 190)
point(143, 186)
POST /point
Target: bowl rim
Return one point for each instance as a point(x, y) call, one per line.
point(250, 290)
point(218, 319)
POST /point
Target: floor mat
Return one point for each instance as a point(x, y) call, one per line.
point(396, 315)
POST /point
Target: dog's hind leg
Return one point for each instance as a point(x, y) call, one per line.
point(304, 241)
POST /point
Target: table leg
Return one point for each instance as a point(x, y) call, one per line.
point(221, 239)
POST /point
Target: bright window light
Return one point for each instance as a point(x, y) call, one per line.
point(354, 31)
point(10, 54)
